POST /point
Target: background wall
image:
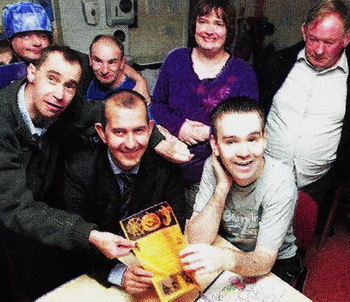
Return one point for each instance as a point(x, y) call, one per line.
point(161, 29)
point(162, 25)
point(288, 17)
point(73, 29)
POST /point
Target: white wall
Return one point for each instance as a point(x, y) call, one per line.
point(72, 29)
point(161, 28)
point(286, 15)
point(159, 33)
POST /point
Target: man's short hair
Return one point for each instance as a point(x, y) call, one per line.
point(123, 98)
point(236, 105)
point(204, 7)
point(111, 38)
point(326, 7)
point(67, 53)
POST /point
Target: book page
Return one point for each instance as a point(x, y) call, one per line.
point(159, 241)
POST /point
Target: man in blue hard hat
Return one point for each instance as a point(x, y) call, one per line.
point(28, 28)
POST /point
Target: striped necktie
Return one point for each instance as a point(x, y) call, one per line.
point(128, 184)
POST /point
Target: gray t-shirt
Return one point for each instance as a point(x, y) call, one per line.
point(261, 212)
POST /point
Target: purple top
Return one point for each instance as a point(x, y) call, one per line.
point(179, 94)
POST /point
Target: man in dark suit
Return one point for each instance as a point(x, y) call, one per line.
point(121, 177)
point(41, 118)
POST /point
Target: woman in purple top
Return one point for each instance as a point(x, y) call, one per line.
point(194, 80)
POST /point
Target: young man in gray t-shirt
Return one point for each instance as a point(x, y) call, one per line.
point(251, 196)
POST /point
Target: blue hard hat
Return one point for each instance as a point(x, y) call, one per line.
point(25, 16)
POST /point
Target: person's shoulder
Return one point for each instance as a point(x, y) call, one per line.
point(208, 170)
point(8, 95)
point(178, 53)
point(154, 163)
point(128, 83)
point(85, 157)
point(238, 61)
point(278, 172)
point(208, 164)
point(152, 158)
point(273, 163)
point(11, 88)
point(347, 51)
point(239, 66)
point(277, 184)
point(12, 72)
point(290, 52)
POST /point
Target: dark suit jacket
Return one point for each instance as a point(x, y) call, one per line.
point(92, 191)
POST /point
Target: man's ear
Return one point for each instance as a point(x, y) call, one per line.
point(151, 125)
point(304, 31)
point(347, 38)
point(265, 137)
point(213, 145)
point(90, 60)
point(101, 132)
point(122, 63)
point(31, 73)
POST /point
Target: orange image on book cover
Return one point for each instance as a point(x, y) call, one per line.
point(159, 240)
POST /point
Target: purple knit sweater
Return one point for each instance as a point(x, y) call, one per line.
point(180, 95)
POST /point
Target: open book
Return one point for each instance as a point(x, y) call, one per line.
point(159, 240)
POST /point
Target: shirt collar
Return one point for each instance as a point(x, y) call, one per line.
point(342, 63)
point(117, 170)
point(23, 108)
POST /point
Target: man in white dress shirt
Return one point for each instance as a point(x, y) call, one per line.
point(305, 90)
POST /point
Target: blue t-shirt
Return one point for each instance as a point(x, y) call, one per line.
point(97, 92)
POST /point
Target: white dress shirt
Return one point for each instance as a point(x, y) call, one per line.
point(36, 132)
point(306, 118)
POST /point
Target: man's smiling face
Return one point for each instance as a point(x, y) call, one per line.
point(240, 144)
point(107, 61)
point(52, 87)
point(126, 134)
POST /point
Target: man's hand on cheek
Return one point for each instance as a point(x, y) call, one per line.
point(222, 175)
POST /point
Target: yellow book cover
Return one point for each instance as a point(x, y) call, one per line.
point(159, 240)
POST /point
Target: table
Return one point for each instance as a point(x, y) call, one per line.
point(86, 289)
